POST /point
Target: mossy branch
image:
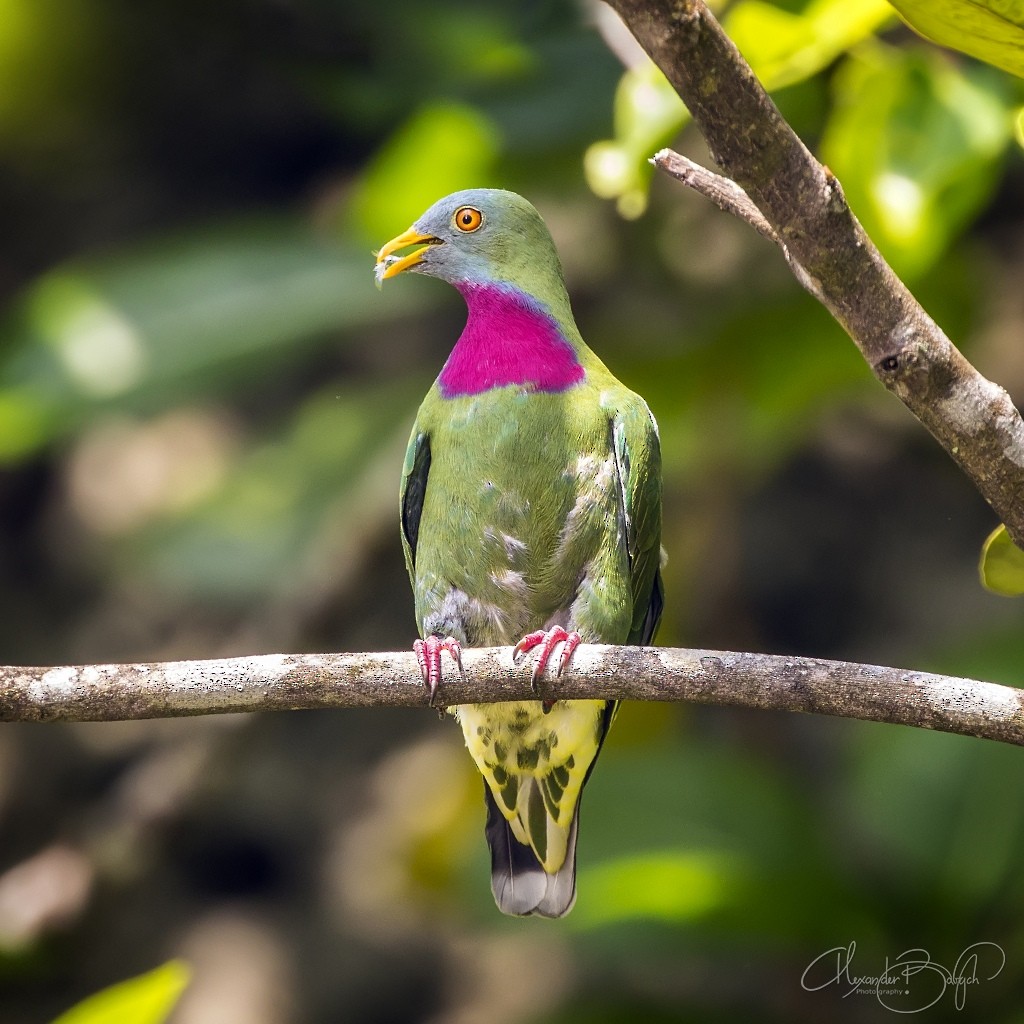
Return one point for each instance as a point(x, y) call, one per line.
point(277, 682)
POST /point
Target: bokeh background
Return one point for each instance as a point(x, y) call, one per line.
point(203, 408)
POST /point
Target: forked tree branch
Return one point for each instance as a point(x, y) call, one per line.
point(803, 205)
point(277, 682)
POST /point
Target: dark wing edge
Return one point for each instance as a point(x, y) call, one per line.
point(649, 626)
point(637, 451)
point(414, 488)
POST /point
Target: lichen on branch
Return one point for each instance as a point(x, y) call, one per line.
point(278, 682)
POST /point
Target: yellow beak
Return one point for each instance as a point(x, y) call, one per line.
point(389, 265)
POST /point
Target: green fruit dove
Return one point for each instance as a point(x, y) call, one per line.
point(530, 515)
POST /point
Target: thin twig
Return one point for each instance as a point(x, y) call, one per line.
point(729, 197)
point(723, 192)
point(971, 417)
point(276, 682)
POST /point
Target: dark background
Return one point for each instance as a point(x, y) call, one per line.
point(203, 408)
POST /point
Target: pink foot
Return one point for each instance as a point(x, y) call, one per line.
point(428, 656)
point(548, 641)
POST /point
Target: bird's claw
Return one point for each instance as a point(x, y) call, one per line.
point(548, 640)
point(428, 657)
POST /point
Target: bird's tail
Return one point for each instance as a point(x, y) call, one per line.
point(518, 880)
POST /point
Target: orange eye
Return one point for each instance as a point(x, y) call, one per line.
point(468, 219)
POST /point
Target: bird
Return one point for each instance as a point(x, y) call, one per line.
point(531, 507)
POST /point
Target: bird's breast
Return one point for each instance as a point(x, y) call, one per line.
point(509, 339)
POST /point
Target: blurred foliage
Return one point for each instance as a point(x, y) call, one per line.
point(203, 408)
point(182, 314)
point(443, 145)
point(783, 47)
point(918, 145)
point(917, 141)
point(1002, 564)
point(991, 30)
point(148, 999)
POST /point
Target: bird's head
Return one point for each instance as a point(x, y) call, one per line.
point(477, 236)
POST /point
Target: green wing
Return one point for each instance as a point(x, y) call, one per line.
point(638, 460)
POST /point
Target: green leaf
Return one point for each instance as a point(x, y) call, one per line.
point(147, 999)
point(1002, 564)
point(991, 30)
point(917, 144)
point(785, 48)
